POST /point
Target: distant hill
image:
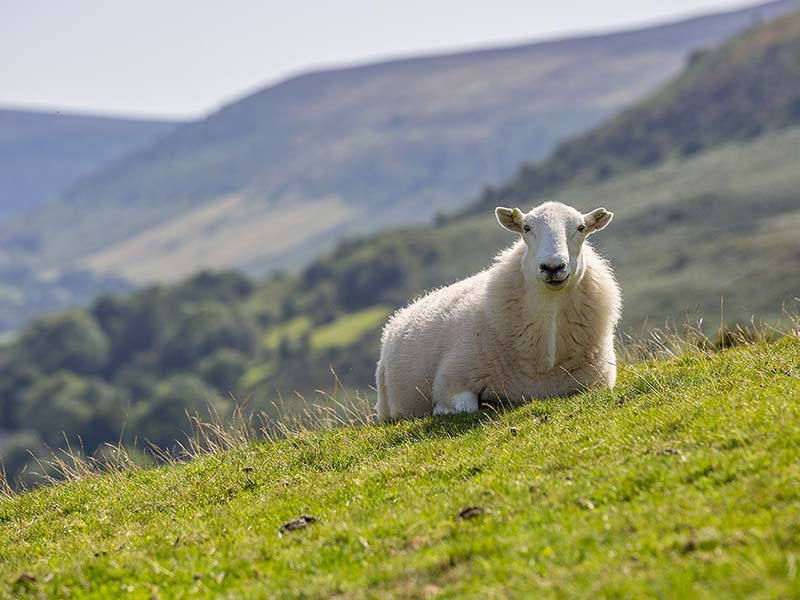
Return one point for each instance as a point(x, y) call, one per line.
point(749, 88)
point(276, 178)
point(44, 153)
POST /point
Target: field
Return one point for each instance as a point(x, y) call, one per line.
point(681, 482)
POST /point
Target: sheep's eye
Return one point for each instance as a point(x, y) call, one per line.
point(527, 228)
point(581, 228)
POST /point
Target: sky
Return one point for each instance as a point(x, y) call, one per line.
point(185, 58)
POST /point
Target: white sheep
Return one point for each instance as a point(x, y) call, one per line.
point(538, 323)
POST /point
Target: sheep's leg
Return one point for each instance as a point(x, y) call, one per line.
point(382, 405)
point(457, 403)
point(451, 393)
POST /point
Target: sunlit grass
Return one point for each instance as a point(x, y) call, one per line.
point(682, 481)
point(349, 328)
point(291, 330)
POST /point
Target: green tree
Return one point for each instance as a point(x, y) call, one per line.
point(72, 341)
point(224, 286)
point(135, 323)
point(19, 457)
point(164, 420)
point(199, 330)
point(15, 377)
point(363, 280)
point(66, 404)
point(223, 368)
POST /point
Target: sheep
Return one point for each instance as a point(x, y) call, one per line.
point(538, 323)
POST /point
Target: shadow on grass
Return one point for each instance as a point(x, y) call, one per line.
point(444, 426)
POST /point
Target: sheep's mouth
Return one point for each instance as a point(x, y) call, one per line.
point(556, 284)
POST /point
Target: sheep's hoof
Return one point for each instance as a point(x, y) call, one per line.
point(465, 402)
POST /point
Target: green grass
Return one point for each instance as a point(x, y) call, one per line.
point(293, 330)
point(258, 373)
point(681, 482)
point(348, 329)
point(685, 235)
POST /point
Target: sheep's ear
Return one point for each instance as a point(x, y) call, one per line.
point(510, 218)
point(597, 219)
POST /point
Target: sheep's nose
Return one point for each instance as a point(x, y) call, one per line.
point(553, 267)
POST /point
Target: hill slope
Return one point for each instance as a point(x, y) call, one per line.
point(685, 234)
point(749, 87)
point(44, 153)
point(683, 481)
point(402, 139)
point(691, 231)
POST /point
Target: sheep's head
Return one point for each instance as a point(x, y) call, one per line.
point(554, 234)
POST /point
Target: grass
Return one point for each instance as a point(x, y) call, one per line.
point(350, 328)
point(682, 481)
point(344, 331)
point(686, 233)
point(292, 330)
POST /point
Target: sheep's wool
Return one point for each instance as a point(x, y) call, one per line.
point(499, 334)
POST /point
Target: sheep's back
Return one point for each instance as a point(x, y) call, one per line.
point(434, 319)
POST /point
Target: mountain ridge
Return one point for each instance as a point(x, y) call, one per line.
point(404, 139)
point(45, 151)
point(749, 87)
point(771, 9)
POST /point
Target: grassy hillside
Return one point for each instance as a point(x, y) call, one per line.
point(44, 153)
point(112, 366)
point(748, 87)
point(712, 235)
point(402, 139)
point(682, 482)
point(685, 234)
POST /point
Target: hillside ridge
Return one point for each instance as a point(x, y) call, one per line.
point(649, 33)
point(746, 88)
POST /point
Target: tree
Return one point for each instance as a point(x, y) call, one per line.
point(18, 457)
point(363, 280)
point(225, 286)
point(64, 403)
point(163, 420)
point(15, 377)
point(223, 368)
point(134, 323)
point(199, 330)
point(72, 341)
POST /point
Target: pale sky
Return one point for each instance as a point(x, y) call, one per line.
point(184, 58)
